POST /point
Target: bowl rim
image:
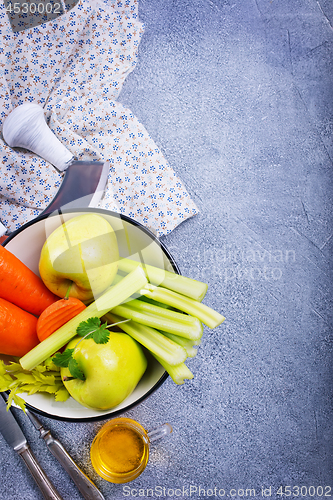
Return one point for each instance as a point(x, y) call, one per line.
point(175, 267)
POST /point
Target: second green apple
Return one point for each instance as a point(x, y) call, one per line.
point(111, 370)
point(82, 252)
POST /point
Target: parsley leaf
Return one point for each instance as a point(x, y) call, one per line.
point(76, 372)
point(65, 360)
point(88, 327)
point(101, 335)
point(92, 328)
point(62, 358)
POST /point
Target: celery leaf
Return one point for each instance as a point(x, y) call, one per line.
point(61, 395)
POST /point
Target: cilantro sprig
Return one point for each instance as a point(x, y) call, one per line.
point(90, 329)
point(65, 360)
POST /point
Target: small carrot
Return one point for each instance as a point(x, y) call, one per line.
point(56, 315)
point(21, 286)
point(17, 330)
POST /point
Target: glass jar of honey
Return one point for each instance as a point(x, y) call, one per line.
point(120, 450)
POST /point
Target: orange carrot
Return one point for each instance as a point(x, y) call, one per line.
point(56, 315)
point(21, 286)
point(17, 330)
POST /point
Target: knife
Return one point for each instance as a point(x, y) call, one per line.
point(84, 484)
point(14, 436)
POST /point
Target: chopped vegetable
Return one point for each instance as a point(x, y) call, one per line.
point(181, 284)
point(17, 329)
point(187, 344)
point(22, 287)
point(153, 307)
point(108, 300)
point(57, 314)
point(204, 313)
point(44, 378)
point(178, 373)
point(153, 340)
point(162, 319)
point(160, 314)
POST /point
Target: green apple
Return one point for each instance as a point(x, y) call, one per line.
point(111, 370)
point(82, 252)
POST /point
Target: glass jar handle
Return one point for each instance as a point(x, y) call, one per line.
point(160, 432)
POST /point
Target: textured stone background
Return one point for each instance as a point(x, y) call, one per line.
point(238, 96)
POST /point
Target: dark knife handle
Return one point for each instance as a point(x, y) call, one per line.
point(84, 484)
point(43, 482)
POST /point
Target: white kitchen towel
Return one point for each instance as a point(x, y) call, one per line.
point(74, 66)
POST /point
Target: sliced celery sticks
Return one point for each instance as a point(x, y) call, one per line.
point(181, 284)
point(204, 313)
point(178, 373)
point(177, 323)
point(172, 352)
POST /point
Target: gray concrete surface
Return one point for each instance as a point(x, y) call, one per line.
point(238, 96)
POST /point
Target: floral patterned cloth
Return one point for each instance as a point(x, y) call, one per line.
point(74, 66)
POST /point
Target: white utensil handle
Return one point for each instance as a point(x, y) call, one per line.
point(26, 127)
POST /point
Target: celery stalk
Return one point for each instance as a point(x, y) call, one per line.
point(108, 300)
point(187, 344)
point(179, 326)
point(117, 279)
point(178, 373)
point(142, 298)
point(159, 310)
point(181, 284)
point(171, 352)
point(204, 313)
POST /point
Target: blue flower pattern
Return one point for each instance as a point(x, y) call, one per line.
point(75, 67)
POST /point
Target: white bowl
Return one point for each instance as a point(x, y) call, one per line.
point(134, 241)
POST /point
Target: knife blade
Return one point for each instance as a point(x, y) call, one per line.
point(83, 185)
point(15, 438)
point(84, 484)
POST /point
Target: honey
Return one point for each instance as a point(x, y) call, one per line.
point(120, 450)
